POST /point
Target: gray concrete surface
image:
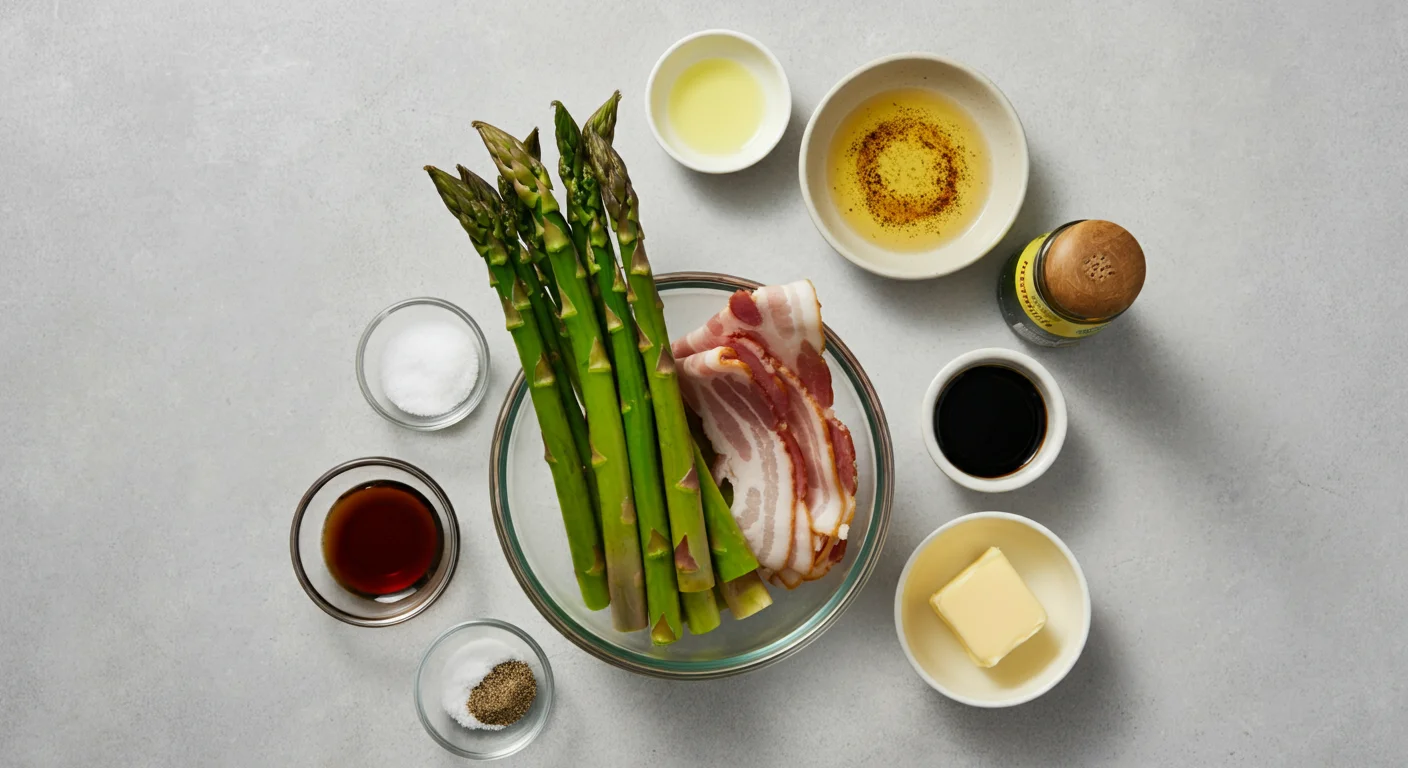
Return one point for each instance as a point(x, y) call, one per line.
point(203, 203)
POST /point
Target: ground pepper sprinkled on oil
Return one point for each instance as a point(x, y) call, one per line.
point(909, 170)
point(938, 160)
point(505, 695)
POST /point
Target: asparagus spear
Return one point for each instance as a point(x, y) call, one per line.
point(549, 301)
point(701, 611)
point(554, 337)
point(608, 439)
point(474, 209)
point(533, 237)
point(564, 364)
point(570, 162)
point(584, 211)
point(732, 557)
point(745, 595)
point(692, 562)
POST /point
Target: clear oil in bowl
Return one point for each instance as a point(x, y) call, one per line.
point(716, 106)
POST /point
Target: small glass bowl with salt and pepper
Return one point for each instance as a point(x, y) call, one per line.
point(484, 689)
point(423, 364)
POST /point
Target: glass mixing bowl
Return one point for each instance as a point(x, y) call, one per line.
point(530, 529)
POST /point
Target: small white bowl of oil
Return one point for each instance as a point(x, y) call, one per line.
point(718, 101)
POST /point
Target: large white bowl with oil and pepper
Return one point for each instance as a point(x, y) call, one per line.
point(999, 139)
point(529, 523)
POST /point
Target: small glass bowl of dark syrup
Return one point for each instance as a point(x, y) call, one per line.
point(374, 541)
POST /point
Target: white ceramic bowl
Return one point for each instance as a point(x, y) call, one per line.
point(1050, 570)
point(726, 44)
point(996, 120)
point(1055, 418)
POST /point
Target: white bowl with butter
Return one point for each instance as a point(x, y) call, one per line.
point(1047, 568)
point(718, 101)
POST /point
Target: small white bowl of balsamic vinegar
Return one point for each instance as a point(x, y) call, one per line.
point(718, 101)
point(914, 166)
point(994, 420)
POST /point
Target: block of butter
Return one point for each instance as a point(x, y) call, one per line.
point(989, 608)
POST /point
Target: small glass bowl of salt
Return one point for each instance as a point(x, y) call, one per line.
point(455, 663)
point(423, 364)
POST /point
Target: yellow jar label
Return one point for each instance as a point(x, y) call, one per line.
point(1036, 309)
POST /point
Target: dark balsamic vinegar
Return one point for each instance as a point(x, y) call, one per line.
point(382, 538)
point(990, 420)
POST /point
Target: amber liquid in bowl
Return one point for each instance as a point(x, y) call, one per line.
point(381, 539)
point(908, 170)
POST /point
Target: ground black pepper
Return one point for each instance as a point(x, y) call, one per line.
point(505, 695)
point(944, 157)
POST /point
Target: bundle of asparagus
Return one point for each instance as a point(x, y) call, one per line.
point(648, 529)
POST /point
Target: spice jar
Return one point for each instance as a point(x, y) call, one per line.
point(1071, 282)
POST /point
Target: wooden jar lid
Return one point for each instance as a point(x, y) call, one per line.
point(1093, 269)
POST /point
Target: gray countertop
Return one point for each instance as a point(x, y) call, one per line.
point(203, 204)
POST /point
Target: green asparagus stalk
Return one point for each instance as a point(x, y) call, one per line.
point(544, 308)
point(585, 213)
point(732, 556)
point(475, 211)
point(745, 595)
point(693, 564)
point(533, 186)
point(533, 238)
point(554, 341)
point(701, 611)
point(523, 218)
point(570, 161)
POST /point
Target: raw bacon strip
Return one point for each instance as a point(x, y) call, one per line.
point(784, 319)
point(831, 552)
point(828, 503)
point(786, 578)
point(845, 449)
point(800, 559)
point(756, 454)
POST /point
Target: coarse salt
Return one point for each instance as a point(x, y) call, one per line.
point(429, 368)
point(466, 670)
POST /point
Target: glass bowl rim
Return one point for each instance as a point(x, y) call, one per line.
point(868, 556)
point(546, 685)
point(451, 551)
point(454, 415)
